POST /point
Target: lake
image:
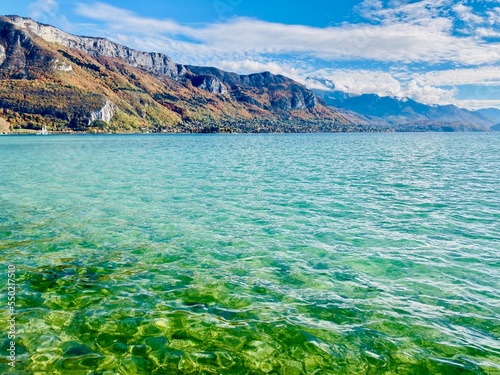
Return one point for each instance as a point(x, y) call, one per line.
point(252, 254)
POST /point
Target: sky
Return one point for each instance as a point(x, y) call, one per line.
point(435, 52)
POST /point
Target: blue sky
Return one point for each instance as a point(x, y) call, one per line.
point(437, 52)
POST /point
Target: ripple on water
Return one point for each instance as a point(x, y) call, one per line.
point(263, 254)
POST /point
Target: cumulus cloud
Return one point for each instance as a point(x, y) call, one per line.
point(429, 88)
point(429, 94)
point(362, 81)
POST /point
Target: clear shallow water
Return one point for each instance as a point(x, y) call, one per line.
point(253, 254)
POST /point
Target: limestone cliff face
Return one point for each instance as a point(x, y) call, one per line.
point(153, 62)
point(4, 126)
point(210, 83)
point(62, 66)
point(2, 54)
point(295, 96)
point(15, 51)
point(105, 114)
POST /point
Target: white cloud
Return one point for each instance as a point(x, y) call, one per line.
point(127, 21)
point(480, 26)
point(417, 13)
point(494, 16)
point(48, 11)
point(435, 12)
point(43, 9)
point(425, 88)
point(369, 7)
point(484, 32)
point(428, 41)
point(362, 81)
point(477, 104)
point(252, 66)
point(466, 14)
point(485, 76)
point(429, 94)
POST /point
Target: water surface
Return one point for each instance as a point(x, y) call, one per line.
point(253, 254)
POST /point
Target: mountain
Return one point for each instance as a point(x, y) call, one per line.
point(75, 83)
point(495, 128)
point(491, 114)
point(407, 114)
point(67, 82)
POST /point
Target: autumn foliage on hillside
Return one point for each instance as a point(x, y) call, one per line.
point(48, 84)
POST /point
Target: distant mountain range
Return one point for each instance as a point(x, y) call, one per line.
point(73, 83)
point(491, 114)
point(410, 115)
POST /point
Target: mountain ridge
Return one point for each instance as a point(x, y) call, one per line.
point(46, 72)
point(97, 46)
point(408, 113)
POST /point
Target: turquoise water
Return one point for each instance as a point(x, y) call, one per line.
point(252, 254)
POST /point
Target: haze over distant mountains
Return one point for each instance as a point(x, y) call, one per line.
point(407, 113)
point(65, 82)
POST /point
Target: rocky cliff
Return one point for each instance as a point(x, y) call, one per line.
point(105, 114)
point(99, 47)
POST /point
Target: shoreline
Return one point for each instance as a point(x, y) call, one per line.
point(30, 132)
point(392, 131)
